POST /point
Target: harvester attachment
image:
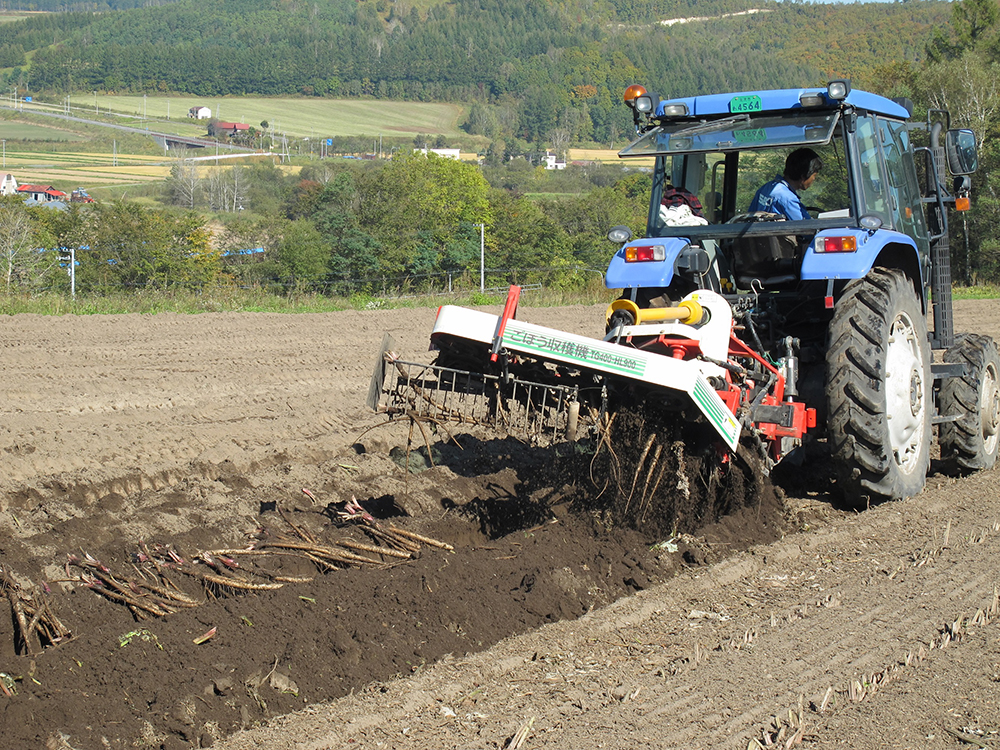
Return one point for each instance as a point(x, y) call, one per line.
point(661, 405)
point(539, 413)
point(546, 385)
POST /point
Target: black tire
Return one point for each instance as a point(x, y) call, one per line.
point(878, 389)
point(971, 443)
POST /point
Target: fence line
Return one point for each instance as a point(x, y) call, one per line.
point(403, 286)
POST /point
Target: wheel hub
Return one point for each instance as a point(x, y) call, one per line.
point(916, 392)
point(904, 393)
point(990, 407)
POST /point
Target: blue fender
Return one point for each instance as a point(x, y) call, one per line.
point(818, 266)
point(642, 274)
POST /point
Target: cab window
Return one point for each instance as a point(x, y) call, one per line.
point(873, 183)
point(904, 193)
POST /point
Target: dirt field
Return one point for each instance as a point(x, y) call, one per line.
point(129, 438)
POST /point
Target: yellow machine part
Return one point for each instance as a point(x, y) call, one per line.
point(687, 311)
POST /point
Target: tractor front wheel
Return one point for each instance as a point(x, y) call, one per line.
point(878, 389)
point(971, 442)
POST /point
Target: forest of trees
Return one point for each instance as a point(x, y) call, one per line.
point(528, 75)
point(530, 66)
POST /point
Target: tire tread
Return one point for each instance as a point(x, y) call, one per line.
point(857, 430)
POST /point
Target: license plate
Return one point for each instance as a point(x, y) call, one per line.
point(751, 103)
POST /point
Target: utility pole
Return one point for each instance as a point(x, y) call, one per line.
point(72, 272)
point(482, 257)
point(4, 153)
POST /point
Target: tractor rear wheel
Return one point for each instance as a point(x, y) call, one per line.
point(878, 389)
point(971, 442)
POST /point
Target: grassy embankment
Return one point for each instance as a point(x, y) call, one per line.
point(224, 299)
point(986, 291)
point(230, 299)
point(295, 117)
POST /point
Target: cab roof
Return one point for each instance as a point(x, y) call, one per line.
point(783, 100)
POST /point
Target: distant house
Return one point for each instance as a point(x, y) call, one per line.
point(41, 193)
point(199, 112)
point(551, 163)
point(444, 153)
point(227, 128)
point(8, 185)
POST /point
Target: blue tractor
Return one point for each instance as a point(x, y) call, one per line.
point(765, 324)
point(835, 298)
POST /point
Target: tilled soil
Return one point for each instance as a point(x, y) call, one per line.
point(127, 434)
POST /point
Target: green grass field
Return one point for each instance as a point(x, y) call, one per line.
point(297, 117)
point(984, 291)
point(21, 131)
point(29, 162)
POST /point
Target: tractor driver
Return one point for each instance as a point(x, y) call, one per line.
point(781, 195)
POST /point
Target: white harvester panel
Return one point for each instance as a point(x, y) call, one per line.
point(595, 355)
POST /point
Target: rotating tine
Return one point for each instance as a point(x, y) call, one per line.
point(531, 416)
point(558, 414)
point(543, 411)
point(514, 403)
point(530, 388)
point(464, 394)
point(425, 403)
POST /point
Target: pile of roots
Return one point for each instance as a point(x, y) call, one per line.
point(658, 472)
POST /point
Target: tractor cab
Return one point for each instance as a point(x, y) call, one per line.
point(868, 204)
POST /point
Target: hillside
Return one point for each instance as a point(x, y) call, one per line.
point(533, 66)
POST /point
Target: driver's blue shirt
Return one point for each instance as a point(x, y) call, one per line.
point(777, 197)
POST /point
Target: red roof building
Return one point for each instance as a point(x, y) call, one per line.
point(42, 193)
point(232, 127)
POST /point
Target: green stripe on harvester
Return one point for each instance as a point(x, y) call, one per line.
point(716, 414)
point(710, 408)
point(613, 358)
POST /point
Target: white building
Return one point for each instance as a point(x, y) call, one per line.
point(8, 185)
point(444, 153)
point(551, 163)
point(200, 113)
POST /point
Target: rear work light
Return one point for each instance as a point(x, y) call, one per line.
point(675, 110)
point(847, 244)
point(643, 104)
point(643, 253)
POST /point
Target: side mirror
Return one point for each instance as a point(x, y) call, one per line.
point(960, 148)
point(620, 234)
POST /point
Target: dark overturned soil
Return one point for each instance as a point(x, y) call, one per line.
point(535, 540)
point(524, 557)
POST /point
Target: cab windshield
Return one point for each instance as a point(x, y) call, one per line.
point(741, 131)
point(725, 182)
